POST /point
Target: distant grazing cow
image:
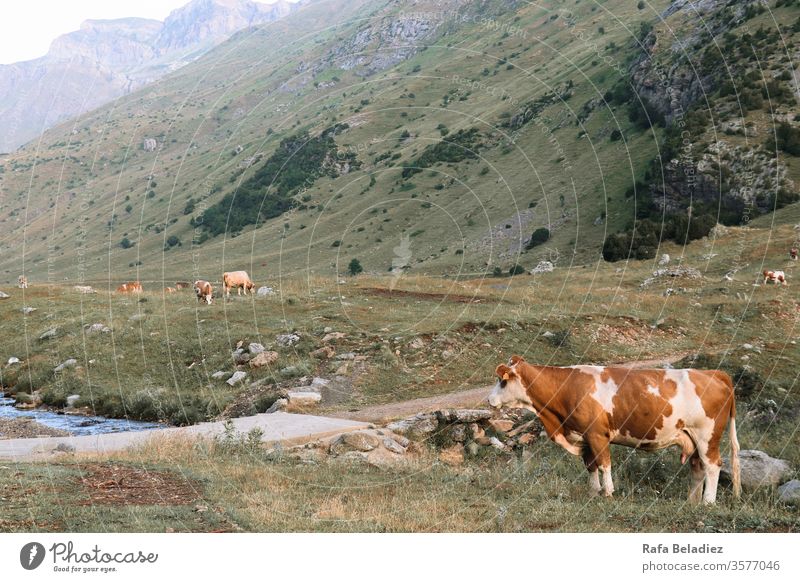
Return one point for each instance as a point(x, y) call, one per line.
point(587, 408)
point(774, 276)
point(204, 291)
point(169, 289)
point(793, 254)
point(182, 284)
point(22, 282)
point(130, 287)
point(239, 279)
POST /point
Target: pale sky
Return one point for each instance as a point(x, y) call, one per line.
point(27, 27)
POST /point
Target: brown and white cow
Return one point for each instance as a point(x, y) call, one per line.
point(793, 253)
point(170, 290)
point(204, 291)
point(238, 279)
point(182, 284)
point(22, 282)
point(774, 276)
point(585, 409)
point(130, 287)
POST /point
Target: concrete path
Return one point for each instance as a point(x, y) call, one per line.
point(279, 427)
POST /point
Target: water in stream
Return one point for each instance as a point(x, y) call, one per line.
point(75, 424)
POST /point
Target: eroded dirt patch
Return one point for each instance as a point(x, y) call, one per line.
point(124, 485)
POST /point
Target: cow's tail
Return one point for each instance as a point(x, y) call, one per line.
point(735, 469)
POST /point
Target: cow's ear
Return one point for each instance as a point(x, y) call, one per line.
point(504, 372)
point(515, 359)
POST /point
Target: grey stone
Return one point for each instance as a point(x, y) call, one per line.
point(664, 260)
point(758, 469)
point(287, 340)
point(464, 415)
point(418, 426)
point(28, 310)
point(264, 291)
point(240, 356)
point(394, 446)
point(346, 356)
point(361, 440)
point(96, 328)
point(236, 378)
point(543, 267)
point(12, 360)
point(4, 295)
point(72, 399)
point(789, 492)
point(278, 405)
point(49, 334)
point(255, 348)
point(219, 374)
point(137, 317)
point(64, 448)
point(333, 336)
point(71, 362)
point(85, 289)
point(416, 344)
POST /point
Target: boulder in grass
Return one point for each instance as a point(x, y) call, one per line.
point(789, 492)
point(758, 469)
point(236, 378)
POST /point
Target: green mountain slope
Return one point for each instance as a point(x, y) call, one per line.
point(462, 127)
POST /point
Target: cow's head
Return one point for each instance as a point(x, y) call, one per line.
point(509, 391)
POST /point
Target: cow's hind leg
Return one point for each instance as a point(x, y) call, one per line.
point(712, 464)
point(696, 483)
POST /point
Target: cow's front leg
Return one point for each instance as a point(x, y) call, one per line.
point(599, 452)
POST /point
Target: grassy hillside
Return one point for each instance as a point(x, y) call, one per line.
point(402, 81)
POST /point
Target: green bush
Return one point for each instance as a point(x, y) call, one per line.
point(539, 236)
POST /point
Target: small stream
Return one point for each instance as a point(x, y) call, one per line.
point(75, 424)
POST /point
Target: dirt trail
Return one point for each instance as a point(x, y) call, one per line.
point(471, 398)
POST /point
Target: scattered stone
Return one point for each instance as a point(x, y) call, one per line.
point(70, 363)
point(49, 334)
point(346, 356)
point(27, 310)
point(240, 357)
point(463, 415)
point(664, 260)
point(543, 267)
point(789, 492)
point(458, 433)
point(64, 448)
point(279, 405)
point(416, 344)
point(323, 353)
point(748, 346)
point(526, 439)
point(219, 374)
point(72, 399)
point(501, 426)
point(758, 469)
point(96, 328)
point(4, 295)
point(85, 289)
point(264, 291)
point(236, 378)
point(685, 272)
point(287, 340)
point(137, 317)
point(333, 336)
point(263, 359)
point(416, 427)
point(12, 360)
point(255, 348)
point(362, 440)
point(149, 144)
point(548, 334)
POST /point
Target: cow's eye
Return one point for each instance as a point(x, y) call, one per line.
point(503, 383)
